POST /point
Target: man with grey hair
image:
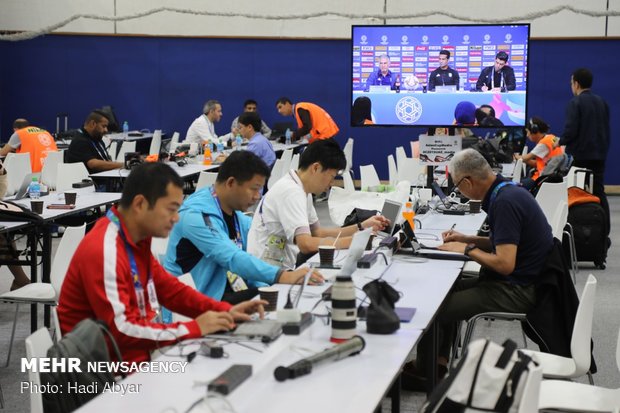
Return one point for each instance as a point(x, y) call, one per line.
point(382, 76)
point(512, 258)
point(202, 130)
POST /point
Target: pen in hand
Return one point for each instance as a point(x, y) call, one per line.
point(452, 228)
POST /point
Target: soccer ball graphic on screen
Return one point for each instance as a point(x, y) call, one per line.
point(412, 82)
point(408, 109)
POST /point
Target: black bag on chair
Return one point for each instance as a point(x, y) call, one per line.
point(381, 318)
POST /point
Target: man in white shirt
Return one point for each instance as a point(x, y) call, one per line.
point(285, 222)
point(202, 128)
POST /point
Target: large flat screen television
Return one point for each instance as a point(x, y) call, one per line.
point(439, 75)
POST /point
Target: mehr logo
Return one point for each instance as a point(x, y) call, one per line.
point(384, 39)
point(508, 38)
point(408, 109)
point(364, 39)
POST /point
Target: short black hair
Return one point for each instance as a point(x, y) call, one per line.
point(96, 116)
point(543, 127)
point(242, 165)
point(251, 118)
point(584, 77)
point(326, 152)
point(481, 114)
point(283, 100)
point(445, 53)
point(250, 102)
point(20, 123)
point(502, 56)
point(361, 111)
point(150, 180)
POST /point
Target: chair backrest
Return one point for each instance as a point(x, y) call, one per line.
point(393, 172)
point(577, 177)
point(68, 174)
point(155, 143)
point(66, 248)
point(517, 171)
point(582, 330)
point(37, 345)
point(158, 247)
point(186, 279)
point(126, 147)
point(287, 157)
point(524, 151)
point(560, 217)
point(276, 173)
point(112, 150)
point(56, 324)
point(50, 169)
point(294, 162)
point(531, 391)
point(348, 154)
point(411, 170)
point(348, 181)
point(549, 196)
point(175, 138)
point(369, 177)
point(17, 166)
point(206, 179)
point(401, 155)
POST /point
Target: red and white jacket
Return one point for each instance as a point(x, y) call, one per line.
point(99, 285)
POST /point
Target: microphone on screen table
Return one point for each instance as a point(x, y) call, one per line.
point(304, 366)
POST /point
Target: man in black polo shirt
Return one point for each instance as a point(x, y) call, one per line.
point(88, 146)
point(511, 258)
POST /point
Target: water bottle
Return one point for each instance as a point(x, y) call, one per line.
point(397, 84)
point(344, 309)
point(287, 136)
point(34, 190)
point(239, 141)
point(220, 147)
point(125, 129)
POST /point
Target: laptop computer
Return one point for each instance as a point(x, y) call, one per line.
point(447, 202)
point(22, 192)
point(445, 89)
point(390, 210)
point(279, 129)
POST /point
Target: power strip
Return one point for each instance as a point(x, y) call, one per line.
point(367, 260)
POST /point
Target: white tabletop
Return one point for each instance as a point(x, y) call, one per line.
point(120, 136)
point(183, 171)
point(467, 223)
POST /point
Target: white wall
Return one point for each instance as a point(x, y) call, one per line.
point(39, 15)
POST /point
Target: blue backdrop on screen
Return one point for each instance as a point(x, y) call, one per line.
point(414, 52)
point(162, 83)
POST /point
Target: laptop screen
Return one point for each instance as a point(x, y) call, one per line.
point(391, 210)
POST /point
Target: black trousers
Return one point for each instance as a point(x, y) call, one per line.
point(598, 168)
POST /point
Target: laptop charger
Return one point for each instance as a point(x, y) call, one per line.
point(295, 328)
point(388, 242)
point(368, 260)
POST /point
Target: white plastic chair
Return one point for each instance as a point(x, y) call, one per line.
point(577, 177)
point(186, 279)
point(287, 158)
point(206, 179)
point(558, 367)
point(517, 171)
point(295, 162)
point(46, 293)
point(369, 177)
point(68, 174)
point(276, 173)
point(529, 397)
point(348, 154)
point(579, 397)
point(112, 150)
point(37, 345)
point(126, 147)
point(524, 151)
point(347, 180)
point(175, 138)
point(393, 172)
point(56, 324)
point(401, 155)
point(549, 196)
point(158, 247)
point(17, 166)
point(155, 143)
point(410, 169)
point(49, 172)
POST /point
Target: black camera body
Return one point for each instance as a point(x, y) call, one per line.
point(132, 159)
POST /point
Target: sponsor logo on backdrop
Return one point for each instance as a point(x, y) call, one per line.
point(487, 39)
point(364, 39)
point(508, 38)
point(465, 39)
point(384, 39)
point(404, 39)
point(425, 39)
point(408, 110)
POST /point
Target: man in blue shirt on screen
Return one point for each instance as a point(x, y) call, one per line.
point(444, 75)
point(382, 76)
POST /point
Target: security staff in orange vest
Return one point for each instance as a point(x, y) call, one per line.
point(30, 139)
point(544, 150)
point(311, 119)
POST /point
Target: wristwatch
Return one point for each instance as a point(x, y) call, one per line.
point(468, 248)
point(359, 226)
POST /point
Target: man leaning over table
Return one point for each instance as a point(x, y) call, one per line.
point(511, 258)
point(285, 221)
point(113, 276)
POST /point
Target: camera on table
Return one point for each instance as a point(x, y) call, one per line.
point(132, 159)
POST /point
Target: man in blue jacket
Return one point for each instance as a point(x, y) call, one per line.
point(210, 239)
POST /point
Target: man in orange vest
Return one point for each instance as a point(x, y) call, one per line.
point(36, 141)
point(311, 119)
point(544, 150)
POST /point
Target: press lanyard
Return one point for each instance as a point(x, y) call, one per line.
point(496, 192)
point(238, 239)
point(104, 154)
point(150, 285)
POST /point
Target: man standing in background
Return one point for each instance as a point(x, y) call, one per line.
point(586, 132)
point(311, 119)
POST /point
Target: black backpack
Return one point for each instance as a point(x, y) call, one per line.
point(87, 343)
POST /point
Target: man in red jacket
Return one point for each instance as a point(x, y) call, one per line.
point(114, 277)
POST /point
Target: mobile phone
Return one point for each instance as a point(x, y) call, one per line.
point(60, 206)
